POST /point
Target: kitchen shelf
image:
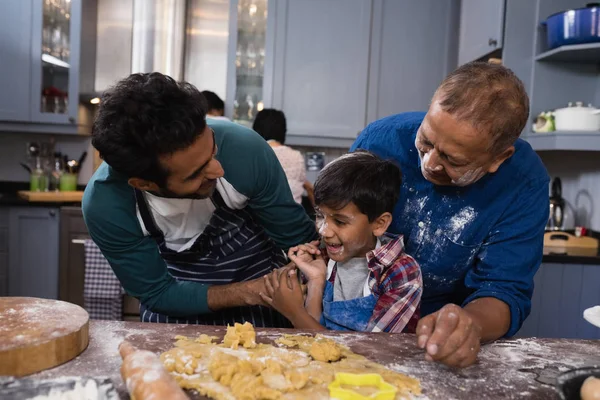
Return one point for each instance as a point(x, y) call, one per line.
point(562, 140)
point(578, 53)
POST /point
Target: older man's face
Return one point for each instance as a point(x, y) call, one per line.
point(453, 152)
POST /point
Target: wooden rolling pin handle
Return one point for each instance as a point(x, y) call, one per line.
point(145, 376)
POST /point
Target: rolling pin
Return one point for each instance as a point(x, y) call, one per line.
point(145, 376)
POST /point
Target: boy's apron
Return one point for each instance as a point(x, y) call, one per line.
point(347, 315)
point(232, 248)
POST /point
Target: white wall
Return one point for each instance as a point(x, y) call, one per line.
point(13, 151)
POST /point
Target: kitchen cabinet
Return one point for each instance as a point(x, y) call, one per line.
point(55, 41)
point(562, 292)
point(321, 66)
point(335, 65)
point(40, 75)
point(407, 62)
point(481, 28)
point(33, 252)
point(3, 252)
point(15, 68)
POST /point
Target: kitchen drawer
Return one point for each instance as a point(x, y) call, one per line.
point(131, 306)
point(3, 239)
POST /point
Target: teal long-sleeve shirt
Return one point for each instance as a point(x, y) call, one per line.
point(110, 213)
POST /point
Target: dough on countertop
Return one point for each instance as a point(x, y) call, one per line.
point(241, 369)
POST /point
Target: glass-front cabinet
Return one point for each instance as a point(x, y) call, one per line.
point(246, 81)
point(55, 61)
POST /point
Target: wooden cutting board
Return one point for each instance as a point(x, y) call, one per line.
point(37, 334)
point(52, 197)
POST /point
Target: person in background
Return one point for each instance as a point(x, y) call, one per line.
point(369, 284)
point(473, 207)
point(272, 126)
point(216, 106)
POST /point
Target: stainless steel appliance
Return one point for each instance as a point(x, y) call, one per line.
point(557, 207)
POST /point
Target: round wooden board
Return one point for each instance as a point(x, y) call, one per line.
point(37, 334)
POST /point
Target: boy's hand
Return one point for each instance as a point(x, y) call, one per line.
point(284, 293)
point(308, 259)
point(305, 252)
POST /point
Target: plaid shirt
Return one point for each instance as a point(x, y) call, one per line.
point(395, 280)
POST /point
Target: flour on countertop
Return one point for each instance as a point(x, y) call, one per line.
point(66, 388)
point(531, 358)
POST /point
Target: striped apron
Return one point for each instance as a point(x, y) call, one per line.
point(232, 248)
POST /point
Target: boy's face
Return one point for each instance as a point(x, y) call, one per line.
point(347, 232)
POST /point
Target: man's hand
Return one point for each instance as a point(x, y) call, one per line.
point(283, 293)
point(451, 336)
point(309, 260)
point(242, 293)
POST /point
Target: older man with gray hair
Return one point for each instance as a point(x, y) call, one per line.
point(472, 209)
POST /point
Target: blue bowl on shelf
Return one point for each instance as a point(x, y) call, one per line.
point(578, 26)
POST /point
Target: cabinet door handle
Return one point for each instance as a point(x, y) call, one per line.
point(52, 213)
point(493, 42)
point(78, 241)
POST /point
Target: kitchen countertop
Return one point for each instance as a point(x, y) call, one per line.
point(13, 199)
point(507, 369)
point(567, 259)
point(10, 197)
point(573, 259)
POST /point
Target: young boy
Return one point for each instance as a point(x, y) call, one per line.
point(369, 284)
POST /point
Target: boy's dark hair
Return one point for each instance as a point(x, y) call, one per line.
point(271, 124)
point(143, 117)
point(213, 100)
point(371, 183)
point(490, 97)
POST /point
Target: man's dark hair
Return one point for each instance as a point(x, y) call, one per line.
point(371, 183)
point(490, 97)
point(271, 125)
point(143, 117)
point(213, 100)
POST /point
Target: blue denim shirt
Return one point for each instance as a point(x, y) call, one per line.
point(483, 240)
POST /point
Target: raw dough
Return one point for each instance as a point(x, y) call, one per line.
point(590, 390)
point(325, 350)
point(240, 335)
point(240, 369)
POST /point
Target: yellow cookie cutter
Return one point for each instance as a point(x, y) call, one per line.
point(336, 391)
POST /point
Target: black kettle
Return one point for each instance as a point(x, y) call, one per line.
point(557, 207)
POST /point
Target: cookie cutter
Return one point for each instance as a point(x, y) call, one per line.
point(336, 391)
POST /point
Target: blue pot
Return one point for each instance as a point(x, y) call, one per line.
point(577, 26)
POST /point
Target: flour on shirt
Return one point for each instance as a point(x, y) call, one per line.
point(459, 221)
point(414, 207)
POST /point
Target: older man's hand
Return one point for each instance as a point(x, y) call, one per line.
point(450, 336)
